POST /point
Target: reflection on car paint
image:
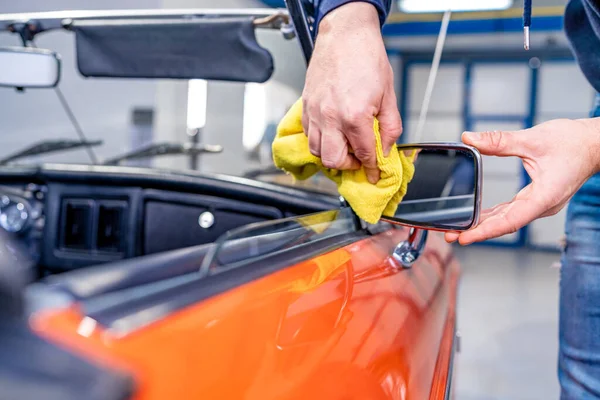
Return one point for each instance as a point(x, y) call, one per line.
point(347, 324)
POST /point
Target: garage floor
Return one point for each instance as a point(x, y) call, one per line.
point(507, 318)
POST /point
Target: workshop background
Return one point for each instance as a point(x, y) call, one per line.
point(509, 293)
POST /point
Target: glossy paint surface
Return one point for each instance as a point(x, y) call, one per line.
point(350, 324)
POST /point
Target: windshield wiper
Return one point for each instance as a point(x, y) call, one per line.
point(164, 149)
point(49, 146)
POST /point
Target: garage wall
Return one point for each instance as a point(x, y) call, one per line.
point(499, 91)
point(445, 120)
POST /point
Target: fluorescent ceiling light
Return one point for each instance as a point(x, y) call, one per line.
point(255, 115)
point(196, 106)
point(424, 6)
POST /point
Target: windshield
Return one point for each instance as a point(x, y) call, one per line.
point(123, 116)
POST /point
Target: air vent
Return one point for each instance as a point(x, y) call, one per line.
point(94, 226)
point(77, 232)
point(111, 227)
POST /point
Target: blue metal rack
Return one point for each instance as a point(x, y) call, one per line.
point(474, 26)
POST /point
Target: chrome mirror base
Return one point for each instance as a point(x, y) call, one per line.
point(407, 252)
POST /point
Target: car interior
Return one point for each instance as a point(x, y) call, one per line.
point(71, 216)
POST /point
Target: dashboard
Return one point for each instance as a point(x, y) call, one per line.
point(73, 216)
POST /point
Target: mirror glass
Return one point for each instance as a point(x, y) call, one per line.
point(445, 190)
point(25, 67)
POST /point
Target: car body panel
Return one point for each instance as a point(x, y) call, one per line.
point(348, 324)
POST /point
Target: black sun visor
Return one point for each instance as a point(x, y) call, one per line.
point(217, 49)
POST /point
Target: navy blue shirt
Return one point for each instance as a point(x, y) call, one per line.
point(322, 7)
point(582, 26)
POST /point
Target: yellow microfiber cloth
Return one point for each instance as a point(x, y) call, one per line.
point(291, 154)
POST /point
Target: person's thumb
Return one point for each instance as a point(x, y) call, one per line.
point(390, 124)
point(496, 143)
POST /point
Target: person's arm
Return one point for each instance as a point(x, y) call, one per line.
point(559, 156)
point(349, 82)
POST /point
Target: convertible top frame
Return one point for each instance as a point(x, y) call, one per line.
point(28, 25)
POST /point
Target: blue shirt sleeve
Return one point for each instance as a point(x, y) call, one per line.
point(323, 7)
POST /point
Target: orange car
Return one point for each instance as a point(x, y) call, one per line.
point(156, 285)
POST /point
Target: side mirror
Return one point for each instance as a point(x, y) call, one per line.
point(26, 67)
point(445, 192)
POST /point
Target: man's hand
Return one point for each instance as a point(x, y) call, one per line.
point(558, 155)
point(348, 83)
